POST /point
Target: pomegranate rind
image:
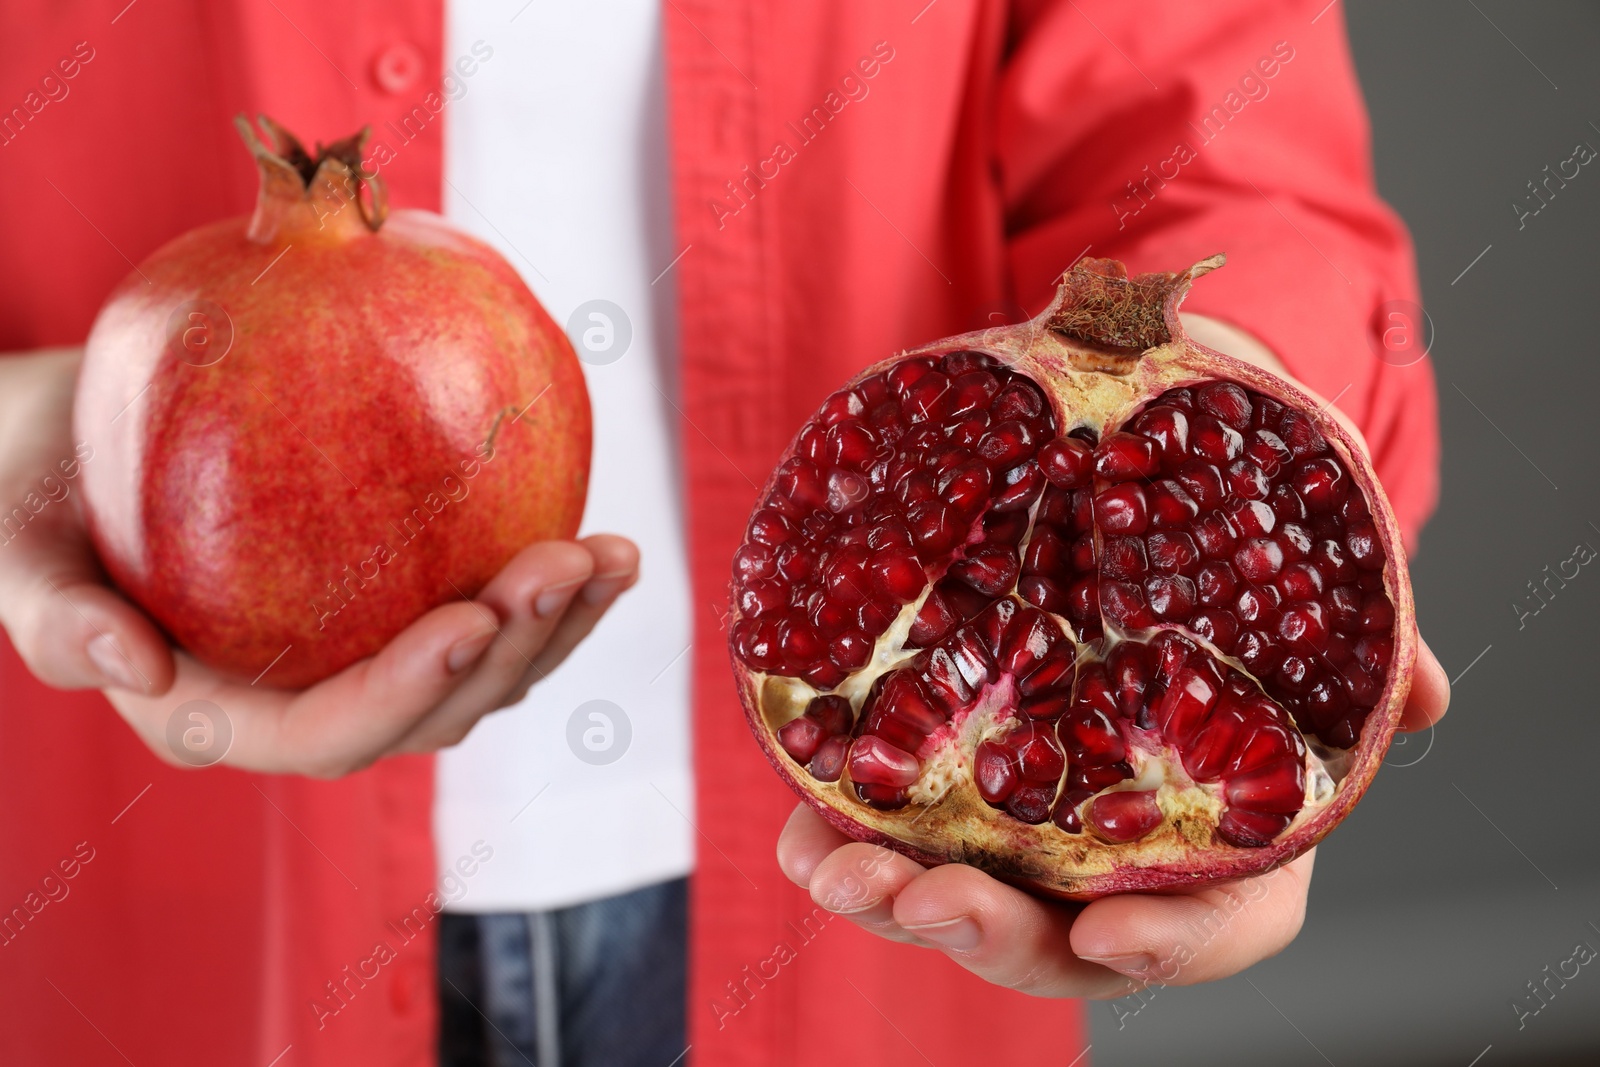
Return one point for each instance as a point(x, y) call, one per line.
point(1102, 383)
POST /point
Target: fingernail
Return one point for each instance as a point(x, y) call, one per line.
point(960, 934)
point(112, 664)
point(553, 599)
point(1136, 963)
point(605, 587)
point(467, 651)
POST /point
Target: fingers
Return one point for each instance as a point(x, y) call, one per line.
point(1184, 940)
point(524, 604)
point(805, 842)
point(1002, 934)
point(1430, 691)
point(337, 726)
point(860, 882)
point(72, 631)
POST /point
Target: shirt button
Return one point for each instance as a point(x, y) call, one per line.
point(397, 67)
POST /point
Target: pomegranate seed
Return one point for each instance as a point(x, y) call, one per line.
point(1055, 671)
point(822, 675)
point(1258, 559)
point(1182, 399)
point(973, 390)
point(1216, 536)
point(1066, 462)
point(761, 596)
point(1215, 584)
point(1173, 553)
point(1185, 705)
point(1123, 557)
point(1007, 444)
point(1266, 450)
point(1294, 674)
point(1168, 427)
point(1301, 435)
point(1333, 563)
point(1082, 600)
point(1046, 554)
point(933, 527)
point(828, 762)
point(1354, 508)
point(1295, 540)
point(1258, 652)
point(801, 738)
point(873, 391)
point(1056, 506)
point(994, 772)
point(1225, 401)
point(838, 407)
point(799, 643)
point(1123, 603)
point(935, 620)
point(1122, 456)
point(1122, 509)
point(1303, 627)
point(1300, 581)
point(1041, 592)
point(1214, 441)
point(832, 713)
point(770, 528)
point(1031, 803)
point(898, 574)
point(1373, 653)
point(1083, 553)
point(1377, 614)
point(990, 569)
point(1203, 483)
point(928, 399)
point(1268, 412)
point(1248, 829)
point(966, 487)
point(1023, 484)
point(1279, 790)
point(754, 560)
point(1005, 528)
point(1251, 518)
point(1217, 626)
point(966, 361)
point(873, 761)
point(1170, 504)
point(1321, 483)
point(1124, 816)
point(1364, 547)
point(1172, 596)
point(1247, 480)
point(1287, 505)
point(1017, 399)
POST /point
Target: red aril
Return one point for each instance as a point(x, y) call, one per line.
point(313, 425)
point(1113, 611)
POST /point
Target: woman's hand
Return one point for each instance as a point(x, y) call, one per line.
point(423, 691)
point(1104, 949)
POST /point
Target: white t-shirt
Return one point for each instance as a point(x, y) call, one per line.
point(556, 154)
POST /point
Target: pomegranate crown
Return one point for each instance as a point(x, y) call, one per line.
point(300, 190)
point(1100, 304)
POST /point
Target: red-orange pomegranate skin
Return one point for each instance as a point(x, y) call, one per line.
point(392, 417)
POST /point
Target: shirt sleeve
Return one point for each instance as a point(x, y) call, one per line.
point(1231, 127)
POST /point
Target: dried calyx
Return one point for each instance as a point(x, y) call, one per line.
point(302, 191)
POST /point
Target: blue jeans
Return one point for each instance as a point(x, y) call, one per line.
point(601, 984)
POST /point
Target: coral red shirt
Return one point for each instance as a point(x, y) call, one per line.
point(849, 178)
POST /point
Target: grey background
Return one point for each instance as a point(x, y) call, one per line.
point(1426, 921)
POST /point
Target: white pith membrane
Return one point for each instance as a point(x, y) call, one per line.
point(1065, 846)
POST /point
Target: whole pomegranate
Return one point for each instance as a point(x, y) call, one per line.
point(1078, 601)
point(313, 425)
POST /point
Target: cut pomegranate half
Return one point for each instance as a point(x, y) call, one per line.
point(1078, 601)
